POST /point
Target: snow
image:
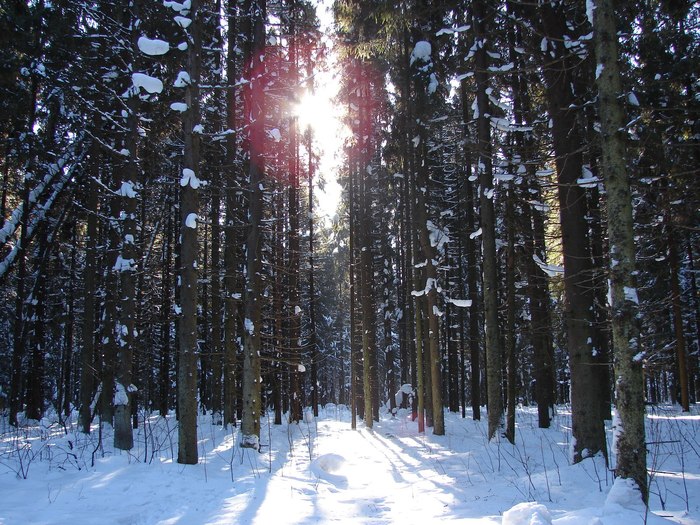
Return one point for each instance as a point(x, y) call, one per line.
point(120, 395)
point(127, 190)
point(551, 270)
point(321, 471)
point(599, 70)
point(191, 220)
point(177, 6)
point(528, 513)
point(624, 494)
point(421, 51)
point(152, 47)
point(631, 294)
point(189, 178)
point(249, 326)
point(590, 6)
point(275, 134)
point(178, 106)
point(433, 84)
point(461, 303)
point(182, 21)
point(182, 80)
point(124, 265)
point(149, 83)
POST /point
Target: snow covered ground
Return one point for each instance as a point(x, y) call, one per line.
point(321, 471)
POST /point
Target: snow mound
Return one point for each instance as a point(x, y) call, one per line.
point(325, 467)
point(624, 493)
point(530, 513)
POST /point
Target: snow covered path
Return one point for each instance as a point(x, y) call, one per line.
point(387, 475)
point(321, 471)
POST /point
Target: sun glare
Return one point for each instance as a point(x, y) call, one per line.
point(318, 111)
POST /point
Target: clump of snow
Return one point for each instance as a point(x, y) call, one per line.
point(250, 441)
point(249, 326)
point(182, 80)
point(191, 220)
point(301, 368)
point(177, 6)
point(590, 7)
point(152, 47)
point(327, 467)
point(120, 395)
point(124, 265)
point(183, 21)
point(275, 134)
point(178, 106)
point(127, 190)
point(588, 179)
point(421, 51)
point(433, 84)
point(528, 513)
point(146, 82)
point(631, 295)
point(461, 303)
point(599, 70)
point(190, 179)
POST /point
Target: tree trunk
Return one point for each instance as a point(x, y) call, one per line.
point(255, 108)
point(189, 208)
point(629, 383)
point(488, 228)
point(233, 237)
point(587, 421)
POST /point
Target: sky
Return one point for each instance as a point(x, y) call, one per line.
point(324, 115)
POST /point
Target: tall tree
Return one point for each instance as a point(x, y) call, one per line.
point(629, 381)
point(188, 273)
point(255, 113)
point(488, 224)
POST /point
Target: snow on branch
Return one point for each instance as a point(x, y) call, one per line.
point(550, 269)
point(13, 222)
point(35, 220)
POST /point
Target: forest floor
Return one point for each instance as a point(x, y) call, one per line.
point(321, 471)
